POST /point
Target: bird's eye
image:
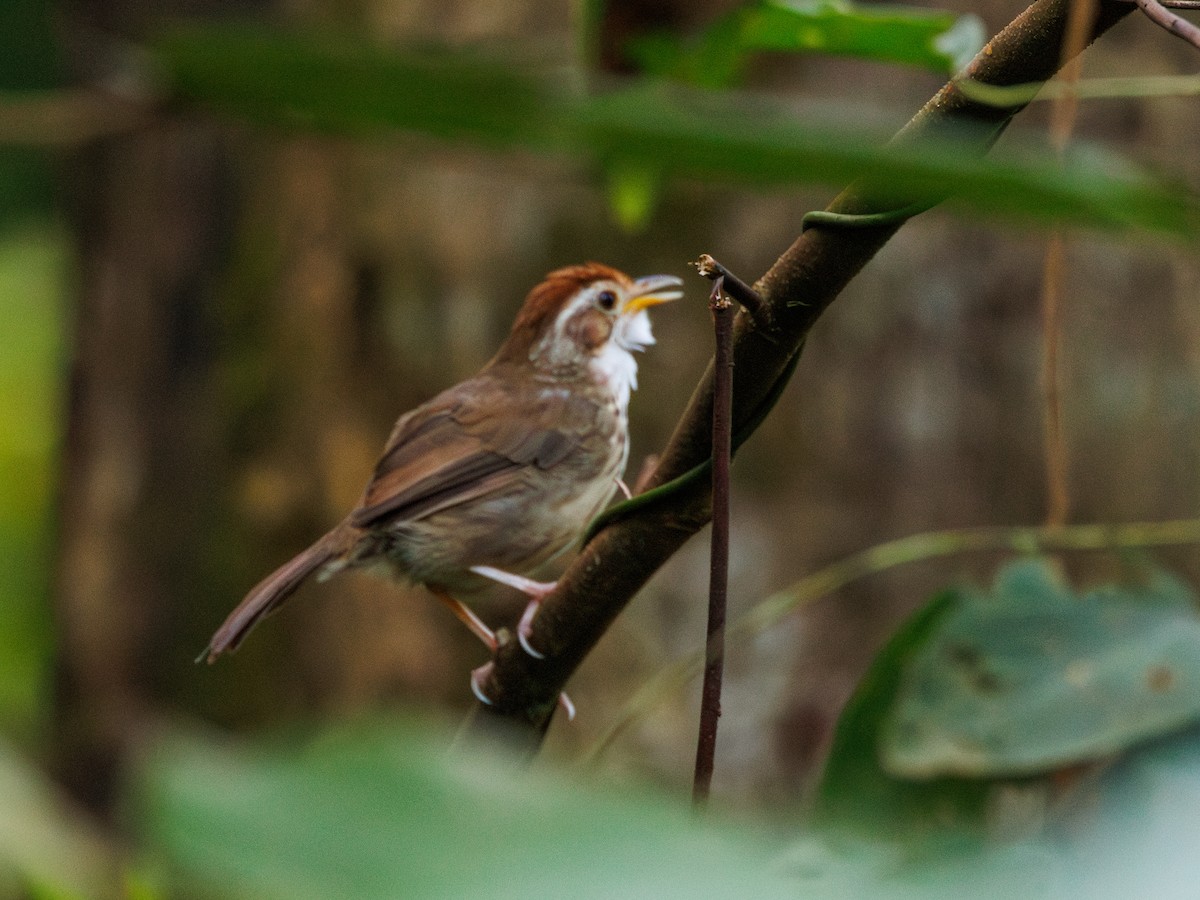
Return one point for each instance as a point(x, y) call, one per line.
point(606, 300)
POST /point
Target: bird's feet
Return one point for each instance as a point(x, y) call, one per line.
point(537, 591)
point(480, 675)
point(624, 489)
point(525, 628)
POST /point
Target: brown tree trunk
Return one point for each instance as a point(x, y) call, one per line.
point(150, 223)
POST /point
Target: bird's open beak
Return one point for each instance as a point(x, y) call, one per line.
point(651, 291)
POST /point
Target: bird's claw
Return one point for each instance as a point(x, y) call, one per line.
point(480, 675)
point(567, 706)
point(525, 629)
point(535, 590)
point(523, 640)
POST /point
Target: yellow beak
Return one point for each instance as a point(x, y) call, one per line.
point(651, 291)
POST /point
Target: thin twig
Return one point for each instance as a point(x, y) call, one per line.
point(878, 559)
point(1066, 108)
point(1058, 501)
point(748, 297)
point(1062, 125)
point(1174, 4)
point(1177, 25)
point(718, 583)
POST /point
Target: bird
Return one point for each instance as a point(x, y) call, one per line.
point(499, 474)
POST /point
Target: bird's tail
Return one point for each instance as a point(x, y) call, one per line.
point(270, 593)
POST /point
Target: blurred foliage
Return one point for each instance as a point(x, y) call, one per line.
point(1030, 677)
point(341, 805)
point(33, 263)
point(345, 86)
point(48, 848)
point(855, 788)
point(1064, 829)
point(1025, 681)
point(29, 60)
point(382, 811)
point(29, 55)
point(1125, 831)
point(632, 194)
point(929, 38)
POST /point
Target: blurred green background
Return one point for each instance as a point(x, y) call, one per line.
point(263, 230)
point(34, 271)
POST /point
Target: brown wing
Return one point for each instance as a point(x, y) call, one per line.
point(457, 448)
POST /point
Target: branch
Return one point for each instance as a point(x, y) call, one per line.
point(749, 298)
point(1174, 4)
point(1177, 25)
point(718, 584)
point(798, 288)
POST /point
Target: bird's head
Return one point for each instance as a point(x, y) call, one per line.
point(587, 318)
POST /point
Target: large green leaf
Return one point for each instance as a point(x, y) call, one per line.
point(1123, 830)
point(1021, 681)
point(344, 86)
point(1029, 678)
point(931, 38)
point(380, 812)
point(856, 791)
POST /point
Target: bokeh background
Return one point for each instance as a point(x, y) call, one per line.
point(209, 327)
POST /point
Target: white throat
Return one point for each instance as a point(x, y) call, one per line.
point(615, 364)
point(615, 367)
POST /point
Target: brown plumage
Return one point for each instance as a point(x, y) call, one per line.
point(503, 470)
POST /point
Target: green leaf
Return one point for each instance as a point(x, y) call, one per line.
point(342, 85)
point(380, 811)
point(318, 83)
point(1125, 831)
point(1030, 678)
point(856, 791)
point(929, 38)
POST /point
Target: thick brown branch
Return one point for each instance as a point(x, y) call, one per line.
point(799, 287)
